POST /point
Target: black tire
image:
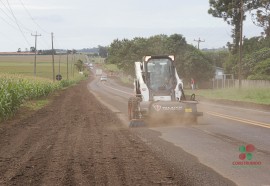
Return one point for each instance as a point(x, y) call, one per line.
point(133, 108)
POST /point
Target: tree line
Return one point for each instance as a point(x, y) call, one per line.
point(191, 62)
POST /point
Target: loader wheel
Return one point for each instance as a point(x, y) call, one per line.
point(133, 108)
point(192, 97)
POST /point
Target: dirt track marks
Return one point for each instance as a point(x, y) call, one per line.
point(76, 141)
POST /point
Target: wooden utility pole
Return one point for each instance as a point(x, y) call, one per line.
point(59, 63)
point(67, 64)
point(199, 41)
point(241, 45)
point(35, 63)
point(53, 60)
point(73, 62)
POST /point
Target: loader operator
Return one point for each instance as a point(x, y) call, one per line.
point(160, 79)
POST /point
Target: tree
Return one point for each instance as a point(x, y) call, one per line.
point(125, 52)
point(261, 17)
point(79, 65)
point(252, 61)
point(261, 71)
point(217, 57)
point(252, 44)
point(69, 51)
point(32, 49)
point(74, 51)
point(103, 51)
point(175, 43)
point(230, 11)
point(197, 66)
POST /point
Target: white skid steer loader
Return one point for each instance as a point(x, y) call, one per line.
point(159, 92)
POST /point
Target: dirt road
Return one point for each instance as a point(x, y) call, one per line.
point(77, 141)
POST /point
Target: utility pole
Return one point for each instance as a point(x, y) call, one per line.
point(241, 45)
point(35, 63)
point(199, 41)
point(67, 64)
point(59, 63)
point(73, 62)
point(53, 59)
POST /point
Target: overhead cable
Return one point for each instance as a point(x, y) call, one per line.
point(33, 18)
point(11, 11)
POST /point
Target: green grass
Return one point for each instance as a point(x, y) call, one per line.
point(111, 67)
point(36, 104)
point(257, 95)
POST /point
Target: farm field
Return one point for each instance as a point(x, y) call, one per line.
point(25, 65)
point(19, 85)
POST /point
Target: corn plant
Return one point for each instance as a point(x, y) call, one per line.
point(15, 89)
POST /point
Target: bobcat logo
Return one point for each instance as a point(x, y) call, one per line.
point(157, 107)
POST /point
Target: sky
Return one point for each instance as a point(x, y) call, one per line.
point(88, 23)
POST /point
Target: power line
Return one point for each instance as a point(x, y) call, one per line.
point(10, 17)
point(5, 12)
point(17, 23)
point(33, 18)
point(9, 23)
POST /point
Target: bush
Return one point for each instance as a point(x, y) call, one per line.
point(261, 71)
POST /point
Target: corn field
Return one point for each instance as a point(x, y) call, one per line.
point(15, 89)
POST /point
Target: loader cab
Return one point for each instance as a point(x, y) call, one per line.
point(160, 75)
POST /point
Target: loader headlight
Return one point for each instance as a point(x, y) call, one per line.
point(147, 58)
point(172, 57)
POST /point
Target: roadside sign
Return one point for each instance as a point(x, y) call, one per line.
point(58, 77)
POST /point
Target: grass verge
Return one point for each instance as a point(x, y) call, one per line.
point(257, 95)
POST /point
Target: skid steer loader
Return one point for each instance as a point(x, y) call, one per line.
point(159, 93)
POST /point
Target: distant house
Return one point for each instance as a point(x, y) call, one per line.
point(219, 72)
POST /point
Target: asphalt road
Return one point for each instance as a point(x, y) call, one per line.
point(215, 141)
